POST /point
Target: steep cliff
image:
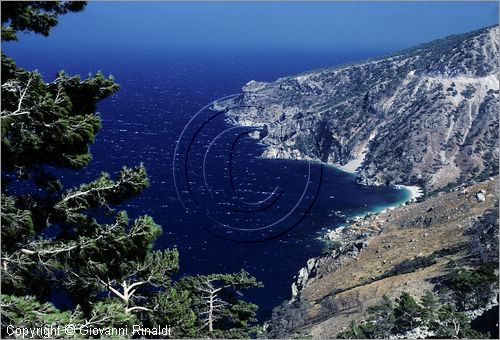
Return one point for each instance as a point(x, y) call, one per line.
point(426, 116)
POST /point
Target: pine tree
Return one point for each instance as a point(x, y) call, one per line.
point(454, 324)
point(430, 304)
point(215, 300)
point(51, 125)
point(379, 324)
point(174, 307)
point(103, 261)
point(381, 321)
point(27, 312)
point(473, 288)
point(35, 16)
point(408, 313)
point(354, 331)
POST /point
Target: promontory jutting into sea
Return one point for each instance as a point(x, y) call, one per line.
point(250, 169)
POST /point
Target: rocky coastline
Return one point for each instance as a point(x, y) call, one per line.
point(426, 117)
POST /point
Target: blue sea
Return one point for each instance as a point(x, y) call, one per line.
point(227, 209)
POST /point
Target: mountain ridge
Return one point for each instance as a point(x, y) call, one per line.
point(426, 116)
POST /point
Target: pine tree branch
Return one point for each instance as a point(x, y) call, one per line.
point(131, 309)
point(22, 96)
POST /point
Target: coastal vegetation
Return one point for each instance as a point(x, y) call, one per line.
point(441, 314)
point(75, 244)
point(426, 116)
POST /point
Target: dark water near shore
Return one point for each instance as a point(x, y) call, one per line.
point(142, 123)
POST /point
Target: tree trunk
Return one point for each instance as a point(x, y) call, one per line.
point(210, 314)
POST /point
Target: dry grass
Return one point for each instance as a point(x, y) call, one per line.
point(407, 232)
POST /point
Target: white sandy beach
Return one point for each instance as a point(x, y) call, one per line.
point(415, 191)
point(352, 166)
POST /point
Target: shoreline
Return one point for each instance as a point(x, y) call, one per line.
point(346, 235)
point(414, 191)
point(343, 232)
point(364, 256)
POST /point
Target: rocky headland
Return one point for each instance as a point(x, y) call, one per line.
point(425, 117)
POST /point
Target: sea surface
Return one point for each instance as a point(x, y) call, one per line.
point(227, 208)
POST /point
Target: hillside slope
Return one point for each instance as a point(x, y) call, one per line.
point(426, 116)
point(407, 249)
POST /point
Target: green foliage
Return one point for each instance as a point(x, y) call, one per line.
point(473, 288)
point(17, 224)
point(331, 246)
point(35, 16)
point(440, 315)
point(379, 324)
point(49, 123)
point(430, 305)
point(173, 307)
point(354, 331)
point(109, 313)
point(408, 313)
point(215, 300)
point(381, 319)
point(102, 260)
point(287, 316)
point(454, 324)
point(27, 312)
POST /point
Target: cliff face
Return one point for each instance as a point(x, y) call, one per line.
point(426, 116)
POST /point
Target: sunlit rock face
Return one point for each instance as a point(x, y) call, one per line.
point(425, 116)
